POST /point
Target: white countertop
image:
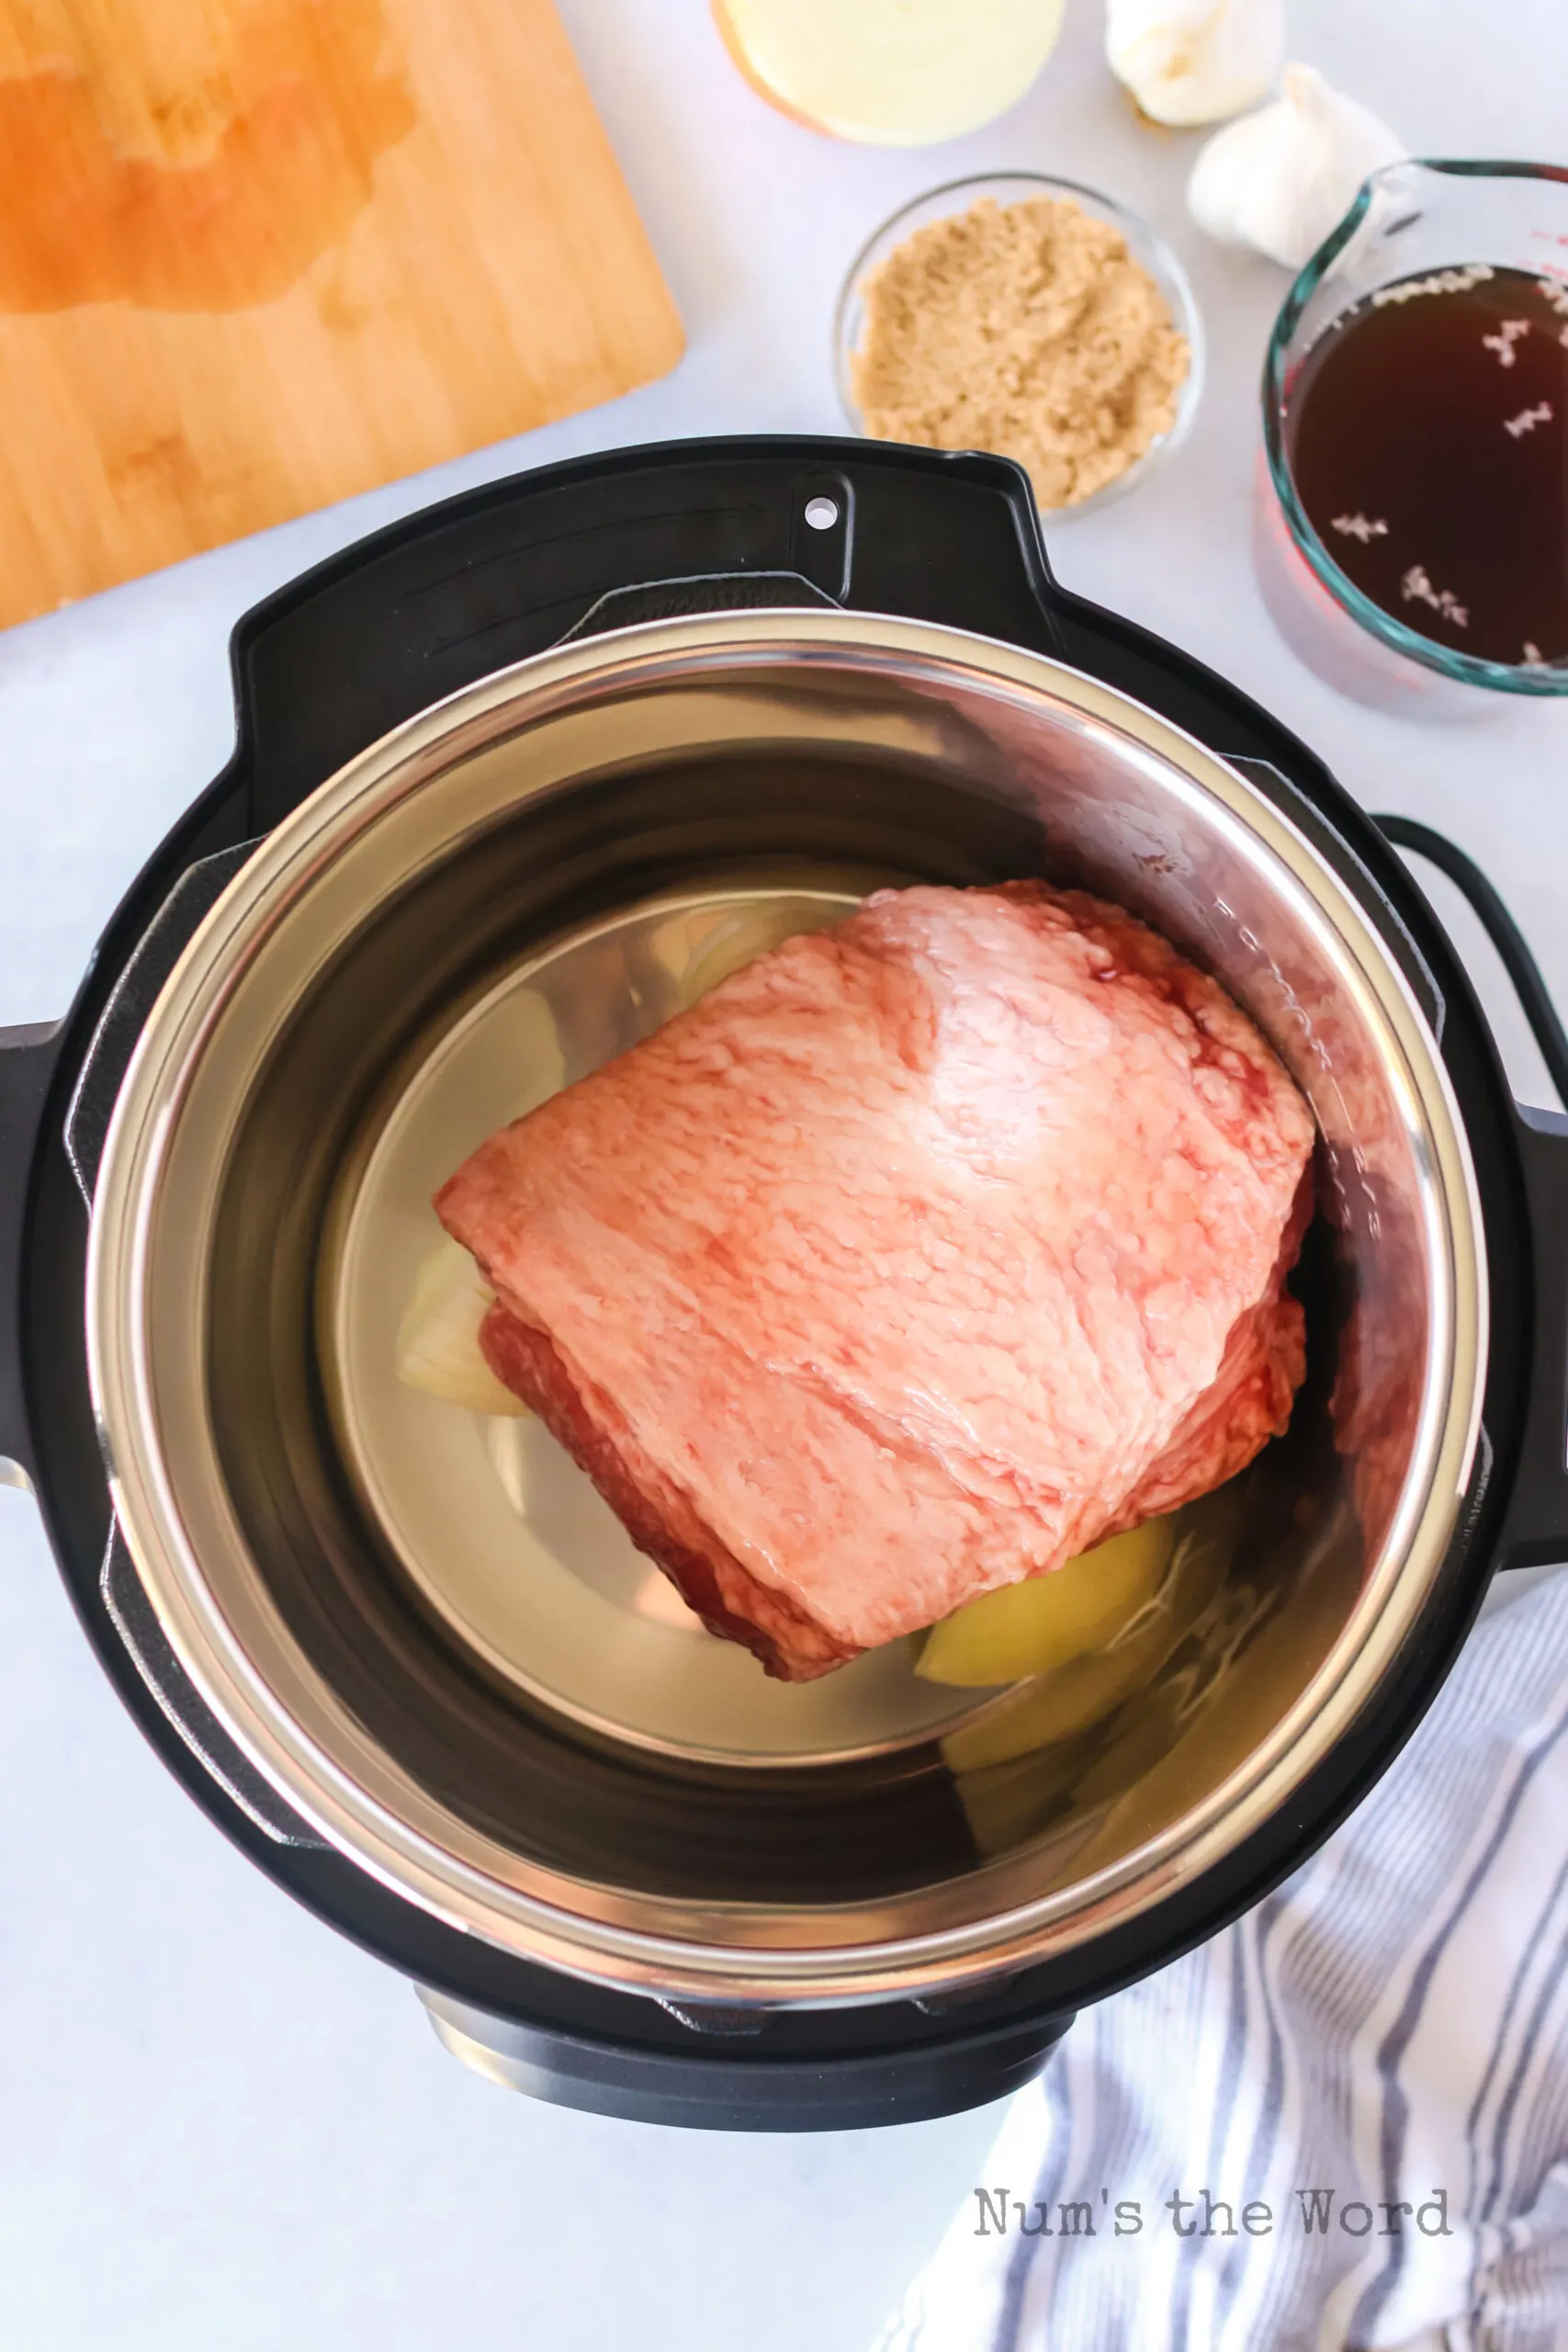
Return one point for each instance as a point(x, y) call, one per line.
point(219, 2126)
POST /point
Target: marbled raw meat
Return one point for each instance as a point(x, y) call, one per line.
point(916, 1258)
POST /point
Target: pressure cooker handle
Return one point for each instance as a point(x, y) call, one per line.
point(1535, 1528)
point(28, 1057)
point(1528, 982)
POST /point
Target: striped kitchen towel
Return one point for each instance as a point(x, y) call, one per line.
point(1343, 2122)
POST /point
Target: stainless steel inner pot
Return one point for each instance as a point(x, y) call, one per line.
point(431, 1641)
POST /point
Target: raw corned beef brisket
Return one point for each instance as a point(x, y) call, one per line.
point(915, 1258)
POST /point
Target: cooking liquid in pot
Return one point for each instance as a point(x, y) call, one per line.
point(1428, 434)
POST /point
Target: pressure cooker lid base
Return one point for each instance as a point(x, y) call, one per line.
point(730, 2080)
point(329, 666)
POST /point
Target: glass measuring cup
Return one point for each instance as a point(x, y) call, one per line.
point(1411, 219)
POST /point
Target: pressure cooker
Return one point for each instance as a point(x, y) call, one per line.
point(500, 771)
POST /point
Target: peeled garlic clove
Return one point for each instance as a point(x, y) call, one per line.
point(438, 1340)
point(1281, 178)
point(1195, 61)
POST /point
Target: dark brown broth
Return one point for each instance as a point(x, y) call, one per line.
point(1428, 434)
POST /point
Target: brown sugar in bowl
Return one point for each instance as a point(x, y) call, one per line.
point(1027, 316)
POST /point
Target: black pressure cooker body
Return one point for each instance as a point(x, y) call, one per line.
point(411, 615)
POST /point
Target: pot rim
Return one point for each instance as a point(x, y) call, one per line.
point(359, 1800)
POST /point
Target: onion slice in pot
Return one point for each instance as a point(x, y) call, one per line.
point(438, 1339)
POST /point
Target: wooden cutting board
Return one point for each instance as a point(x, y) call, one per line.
point(258, 254)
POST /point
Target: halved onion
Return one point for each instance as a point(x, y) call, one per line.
point(1083, 1690)
point(438, 1339)
point(892, 73)
point(1031, 1628)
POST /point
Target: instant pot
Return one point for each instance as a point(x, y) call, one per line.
point(502, 774)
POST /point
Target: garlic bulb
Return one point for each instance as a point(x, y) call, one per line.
point(1195, 61)
point(1281, 178)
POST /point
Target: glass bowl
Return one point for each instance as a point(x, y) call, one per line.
point(1410, 218)
point(1012, 188)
